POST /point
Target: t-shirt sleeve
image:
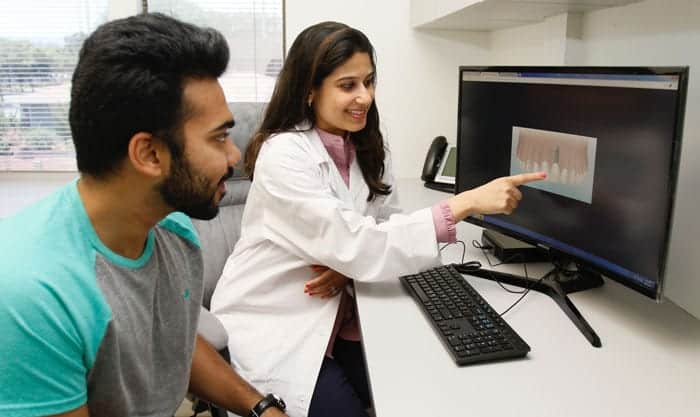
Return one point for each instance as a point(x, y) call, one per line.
point(180, 224)
point(51, 336)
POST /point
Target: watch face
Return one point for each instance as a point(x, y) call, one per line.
point(280, 402)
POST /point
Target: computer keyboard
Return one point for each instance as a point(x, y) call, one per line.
point(471, 330)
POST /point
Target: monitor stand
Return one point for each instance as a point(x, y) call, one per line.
point(557, 283)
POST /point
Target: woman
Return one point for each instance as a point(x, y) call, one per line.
point(322, 194)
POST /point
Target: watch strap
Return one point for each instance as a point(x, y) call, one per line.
point(270, 400)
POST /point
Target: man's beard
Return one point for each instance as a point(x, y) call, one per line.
point(189, 192)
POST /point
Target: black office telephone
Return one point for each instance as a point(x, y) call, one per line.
point(440, 166)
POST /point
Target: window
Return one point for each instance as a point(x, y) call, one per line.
point(39, 44)
point(253, 29)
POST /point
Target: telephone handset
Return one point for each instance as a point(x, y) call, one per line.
point(440, 165)
point(433, 158)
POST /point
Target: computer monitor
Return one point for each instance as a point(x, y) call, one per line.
point(609, 139)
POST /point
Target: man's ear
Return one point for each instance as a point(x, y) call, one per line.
point(148, 155)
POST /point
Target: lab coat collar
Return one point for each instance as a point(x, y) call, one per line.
point(321, 155)
point(358, 189)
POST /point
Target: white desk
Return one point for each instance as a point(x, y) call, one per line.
point(649, 365)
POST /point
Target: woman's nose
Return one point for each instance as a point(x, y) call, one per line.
point(365, 96)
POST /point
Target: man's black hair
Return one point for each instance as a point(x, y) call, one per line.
point(130, 78)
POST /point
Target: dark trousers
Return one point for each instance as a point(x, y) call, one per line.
point(342, 389)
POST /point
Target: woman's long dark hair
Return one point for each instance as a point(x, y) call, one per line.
point(314, 55)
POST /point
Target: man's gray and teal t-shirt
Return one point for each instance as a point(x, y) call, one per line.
point(82, 324)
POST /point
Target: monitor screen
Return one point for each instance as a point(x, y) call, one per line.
point(609, 140)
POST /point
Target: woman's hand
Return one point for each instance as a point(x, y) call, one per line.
point(500, 196)
point(328, 283)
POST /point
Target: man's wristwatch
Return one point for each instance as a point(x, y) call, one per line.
point(270, 400)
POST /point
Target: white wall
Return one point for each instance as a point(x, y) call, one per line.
point(652, 32)
point(123, 8)
point(663, 32)
point(537, 44)
point(417, 70)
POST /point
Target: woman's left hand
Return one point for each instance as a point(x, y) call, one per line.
point(328, 283)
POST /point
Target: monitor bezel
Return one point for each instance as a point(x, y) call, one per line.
point(682, 72)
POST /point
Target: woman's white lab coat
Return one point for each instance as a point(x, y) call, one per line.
point(299, 212)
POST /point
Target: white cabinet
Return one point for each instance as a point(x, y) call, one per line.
point(487, 15)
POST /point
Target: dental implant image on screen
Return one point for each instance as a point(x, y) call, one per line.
point(568, 160)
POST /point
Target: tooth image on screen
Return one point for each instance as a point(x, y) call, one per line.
point(568, 160)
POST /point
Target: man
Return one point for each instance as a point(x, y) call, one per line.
point(102, 281)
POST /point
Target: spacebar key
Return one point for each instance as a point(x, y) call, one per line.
point(424, 298)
